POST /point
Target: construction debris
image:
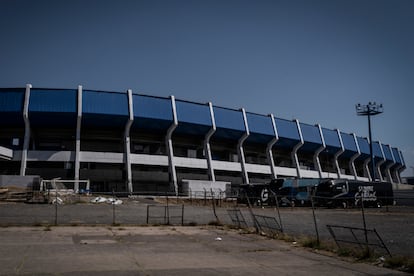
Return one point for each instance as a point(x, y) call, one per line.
point(110, 200)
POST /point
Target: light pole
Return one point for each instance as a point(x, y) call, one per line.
point(369, 110)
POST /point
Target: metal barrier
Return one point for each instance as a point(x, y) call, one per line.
point(237, 218)
point(267, 225)
point(165, 214)
point(352, 235)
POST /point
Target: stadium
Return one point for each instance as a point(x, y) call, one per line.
point(129, 142)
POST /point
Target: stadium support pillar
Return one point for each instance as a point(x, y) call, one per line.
point(353, 158)
point(366, 168)
point(388, 172)
point(269, 149)
point(207, 149)
point(396, 171)
point(127, 141)
point(337, 154)
point(78, 138)
point(26, 130)
point(316, 160)
point(401, 168)
point(294, 154)
point(170, 150)
point(379, 163)
point(242, 159)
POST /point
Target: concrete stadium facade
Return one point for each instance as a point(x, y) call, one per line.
point(131, 142)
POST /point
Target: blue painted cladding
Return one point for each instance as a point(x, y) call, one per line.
point(310, 134)
point(287, 129)
point(395, 152)
point(109, 103)
point(152, 108)
point(12, 100)
point(44, 100)
point(229, 119)
point(349, 142)
point(193, 113)
point(11, 106)
point(376, 148)
point(331, 138)
point(363, 145)
point(387, 152)
point(260, 124)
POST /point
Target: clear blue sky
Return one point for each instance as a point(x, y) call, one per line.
point(304, 59)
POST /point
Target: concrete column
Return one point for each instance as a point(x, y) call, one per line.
point(366, 168)
point(269, 148)
point(379, 163)
point(242, 159)
point(207, 149)
point(388, 167)
point(338, 153)
point(316, 160)
point(26, 130)
point(127, 142)
point(353, 158)
point(294, 154)
point(78, 138)
point(170, 150)
point(402, 168)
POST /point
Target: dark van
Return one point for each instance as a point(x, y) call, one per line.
point(348, 193)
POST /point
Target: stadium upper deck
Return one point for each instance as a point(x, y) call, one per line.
point(132, 142)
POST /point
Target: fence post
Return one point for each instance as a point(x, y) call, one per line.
point(314, 219)
point(113, 207)
point(363, 218)
point(148, 213)
point(182, 215)
point(278, 211)
point(56, 202)
point(214, 206)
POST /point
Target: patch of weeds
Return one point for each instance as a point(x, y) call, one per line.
point(402, 263)
point(215, 223)
point(192, 223)
point(47, 228)
point(116, 224)
point(121, 228)
point(37, 224)
point(360, 254)
point(310, 243)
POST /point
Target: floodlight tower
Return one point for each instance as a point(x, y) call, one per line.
point(370, 109)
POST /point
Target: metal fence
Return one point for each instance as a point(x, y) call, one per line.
point(392, 223)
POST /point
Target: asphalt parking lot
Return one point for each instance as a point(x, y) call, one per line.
point(162, 250)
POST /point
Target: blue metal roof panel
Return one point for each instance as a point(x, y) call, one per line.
point(331, 138)
point(11, 106)
point(108, 103)
point(152, 107)
point(192, 129)
point(260, 128)
point(196, 114)
point(287, 129)
point(12, 99)
point(349, 142)
point(229, 119)
point(396, 154)
point(387, 152)
point(376, 148)
point(311, 134)
point(260, 124)
point(48, 100)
